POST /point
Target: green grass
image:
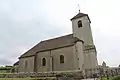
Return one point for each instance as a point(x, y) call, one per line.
point(106, 78)
point(110, 78)
point(18, 78)
point(3, 71)
point(27, 78)
point(116, 78)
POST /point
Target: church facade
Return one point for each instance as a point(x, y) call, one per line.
point(74, 51)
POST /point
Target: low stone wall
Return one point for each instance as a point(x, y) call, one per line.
point(45, 74)
point(88, 73)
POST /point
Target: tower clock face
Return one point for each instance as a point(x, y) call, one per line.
point(79, 23)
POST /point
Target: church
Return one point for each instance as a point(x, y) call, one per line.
point(70, 52)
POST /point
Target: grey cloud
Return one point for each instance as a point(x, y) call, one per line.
point(21, 28)
point(107, 47)
point(5, 61)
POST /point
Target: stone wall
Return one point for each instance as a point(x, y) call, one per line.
point(45, 74)
point(53, 60)
point(30, 64)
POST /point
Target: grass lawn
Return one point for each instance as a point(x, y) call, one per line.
point(3, 71)
point(18, 79)
point(106, 79)
point(27, 78)
point(110, 78)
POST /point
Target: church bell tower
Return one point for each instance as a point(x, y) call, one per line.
point(81, 28)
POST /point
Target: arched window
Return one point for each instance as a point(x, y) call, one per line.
point(79, 23)
point(26, 64)
point(61, 59)
point(43, 62)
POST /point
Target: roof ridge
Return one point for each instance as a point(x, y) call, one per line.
point(57, 37)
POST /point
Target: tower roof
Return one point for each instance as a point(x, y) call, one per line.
point(79, 15)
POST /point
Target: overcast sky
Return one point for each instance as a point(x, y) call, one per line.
point(24, 23)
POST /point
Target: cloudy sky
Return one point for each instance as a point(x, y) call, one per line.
point(24, 23)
